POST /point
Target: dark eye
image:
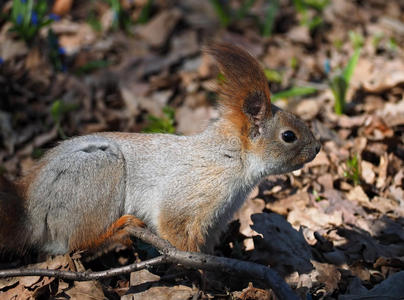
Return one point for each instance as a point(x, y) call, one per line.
point(289, 136)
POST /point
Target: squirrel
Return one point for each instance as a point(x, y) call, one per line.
point(86, 191)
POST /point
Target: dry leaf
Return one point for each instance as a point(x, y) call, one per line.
point(62, 7)
point(157, 30)
point(178, 292)
point(86, 290)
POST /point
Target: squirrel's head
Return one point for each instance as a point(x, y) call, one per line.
point(273, 141)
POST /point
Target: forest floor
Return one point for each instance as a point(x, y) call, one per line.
point(332, 230)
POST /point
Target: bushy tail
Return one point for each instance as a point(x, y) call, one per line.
point(13, 232)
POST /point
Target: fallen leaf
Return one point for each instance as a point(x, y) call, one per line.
point(250, 207)
point(10, 49)
point(142, 276)
point(367, 172)
point(62, 7)
point(86, 290)
point(251, 292)
point(158, 29)
point(178, 292)
point(299, 34)
point(358, 195)
point(296, 201)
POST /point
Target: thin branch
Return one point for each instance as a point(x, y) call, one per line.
point(215, 263)
point(83, 276)
point(171, 255)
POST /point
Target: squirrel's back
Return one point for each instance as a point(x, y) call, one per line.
point(87, 189)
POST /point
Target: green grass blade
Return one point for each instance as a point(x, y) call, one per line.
point(350, 67)
point(221, 12)
point(293, 92)
point(145, 13)
point(16, 10)
point(28, 13)
point(244, 8)
point(339, 88)
point(270, 16)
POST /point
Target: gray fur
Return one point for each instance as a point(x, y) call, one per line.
point(107, 175)
point(76, 183)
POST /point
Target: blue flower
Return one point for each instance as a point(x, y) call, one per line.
point(34, 18)
point(19, 19)
point(62, 51)
point(23, 1)
point(1, 60)
point(327, 66)
point(54, 17)
point(116, 16)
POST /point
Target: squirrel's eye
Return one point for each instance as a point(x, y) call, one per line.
point(289, 136)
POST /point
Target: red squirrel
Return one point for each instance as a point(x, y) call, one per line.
point(87, 190)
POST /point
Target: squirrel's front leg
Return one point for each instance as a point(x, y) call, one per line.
point(183, 231)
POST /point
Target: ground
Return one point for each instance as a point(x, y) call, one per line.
point(332, 230)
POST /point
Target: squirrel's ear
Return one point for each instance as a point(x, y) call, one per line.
point(244, 89)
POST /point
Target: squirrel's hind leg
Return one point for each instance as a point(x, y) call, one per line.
point(116, 233)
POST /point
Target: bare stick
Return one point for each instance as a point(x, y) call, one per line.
point(216, 263)
point(171, 255)
point(83, 276)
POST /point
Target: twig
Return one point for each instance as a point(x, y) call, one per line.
point(215, 263)
point(172, 255)
point(83, 276)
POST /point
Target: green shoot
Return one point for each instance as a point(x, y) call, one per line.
point(273, 75)
point(145, 13)
point(244, 9)
point(339, 83)
point(58, 110)
point(120, 17)
point(28, 18)
point(317, 197)
point(337, 43)
point(356, 39)
point(392, 44)
point(162, 125)
point(270, 16)
point(294, 62)
point(352, 171)
point(92, 65)
point(293, 92)
point(222, 12)
point(227, 15)
point(303, 7)
point(94, 22)
point(319, 5)
point(116, 9)
point(376, 39)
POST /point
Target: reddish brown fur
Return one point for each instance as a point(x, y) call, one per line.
point(22, 185)
point(183, 232)
point(115, 233)
point(243, 77)
point(12, 212)
point(186, 232)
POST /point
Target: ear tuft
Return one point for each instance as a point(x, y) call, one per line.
point(244, 91)
point(254, 104)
